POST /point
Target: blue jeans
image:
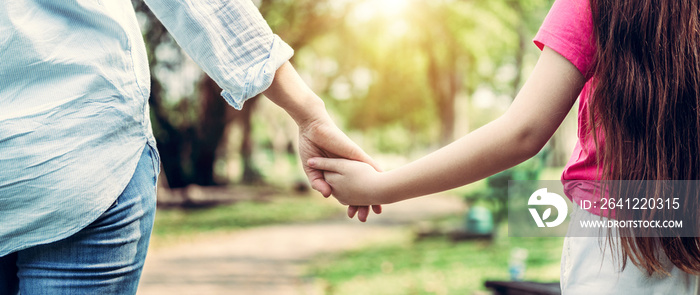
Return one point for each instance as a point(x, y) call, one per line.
point(104, 258)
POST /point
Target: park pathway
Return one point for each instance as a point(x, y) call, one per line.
point(271, 259)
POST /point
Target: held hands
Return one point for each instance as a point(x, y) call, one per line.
point(322, 138)
point(318, 135)
point(353, 182)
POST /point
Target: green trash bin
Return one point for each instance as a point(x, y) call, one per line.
point(479, 220)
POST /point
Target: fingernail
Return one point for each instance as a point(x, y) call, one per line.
point(312, 162)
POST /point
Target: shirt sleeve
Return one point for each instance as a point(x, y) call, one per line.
point(230, 41)
point(568, 30)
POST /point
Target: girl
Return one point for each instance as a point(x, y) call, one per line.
point(635, 66)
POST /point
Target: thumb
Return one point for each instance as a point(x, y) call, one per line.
point(321, 186)
point(364, 157)
point(352, 151)
point(343, 147)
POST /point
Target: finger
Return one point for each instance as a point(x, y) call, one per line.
point(354, 152)
point(351, 211)
point(364, 157)
point(318, 182)
point(321, 186)
point(377, 209)
point(362, 213)
point(344, 147)
point(326, 164)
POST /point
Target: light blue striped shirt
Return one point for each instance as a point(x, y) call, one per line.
point(74, 86)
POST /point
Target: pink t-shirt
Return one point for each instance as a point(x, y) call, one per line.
point(568, 30)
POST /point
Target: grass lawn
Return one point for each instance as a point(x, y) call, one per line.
point(176, 225)
point(434, 266)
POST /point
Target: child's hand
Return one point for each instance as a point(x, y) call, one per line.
point(352, 182)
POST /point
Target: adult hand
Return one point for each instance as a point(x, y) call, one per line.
point(318, 135)
point(322, 138)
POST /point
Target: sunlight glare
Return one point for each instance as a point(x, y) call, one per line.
point(388, 9)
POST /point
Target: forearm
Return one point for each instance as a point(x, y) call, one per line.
point(488, 150)
point(519, 134)
point(290, 92)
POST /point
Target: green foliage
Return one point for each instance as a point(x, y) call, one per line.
point(434, 266)
point(495, 194)
point(420, 56)
point(397, 139)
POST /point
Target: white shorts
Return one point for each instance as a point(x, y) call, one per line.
point(589, 267)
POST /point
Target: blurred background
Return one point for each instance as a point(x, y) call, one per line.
point(402, 78)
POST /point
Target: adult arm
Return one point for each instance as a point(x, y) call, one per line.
point(232, 43)
point(537, 111)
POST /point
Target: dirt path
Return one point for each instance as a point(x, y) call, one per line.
point(271, 259)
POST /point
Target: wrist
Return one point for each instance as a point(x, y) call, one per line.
point(311, 109)
point(290, 92)
point(394, 187)
point(385, 189)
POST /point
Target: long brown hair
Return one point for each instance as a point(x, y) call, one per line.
point(646, 103)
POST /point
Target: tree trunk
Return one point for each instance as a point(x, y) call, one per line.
point(251, 174)
point(210, 131)
point(520, 52)
point(444, 83)
point(169, 139)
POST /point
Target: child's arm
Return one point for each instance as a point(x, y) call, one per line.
point(517, 135)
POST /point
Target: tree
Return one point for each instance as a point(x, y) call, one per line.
point(422, 59)
point(187, 130)
point(191, 129)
